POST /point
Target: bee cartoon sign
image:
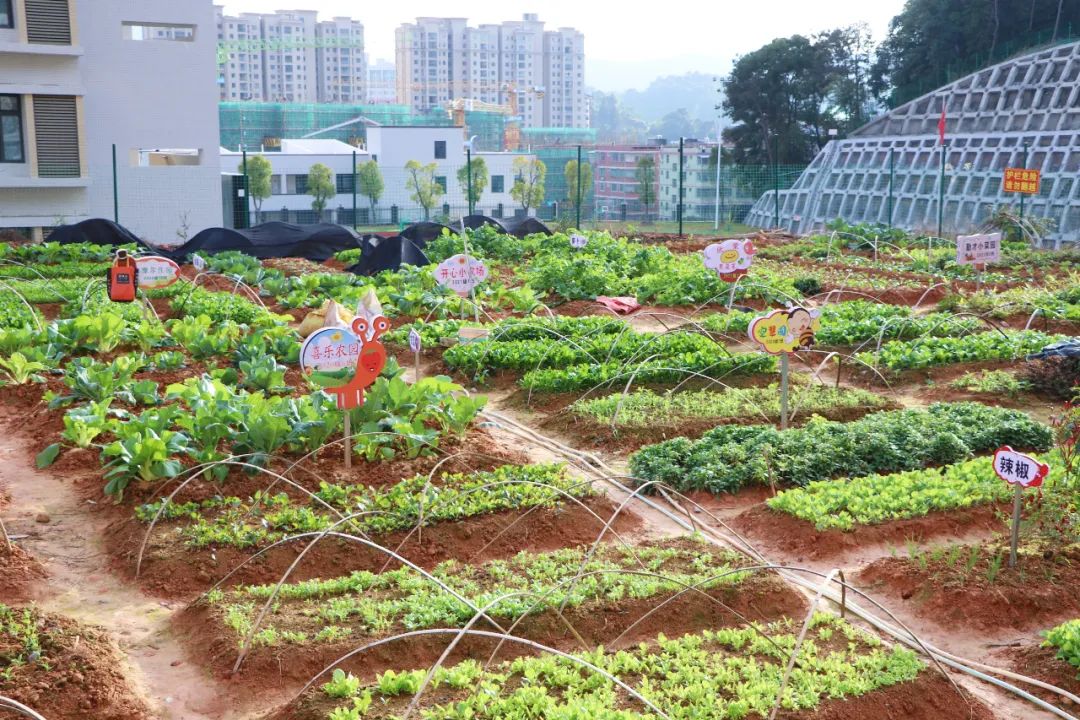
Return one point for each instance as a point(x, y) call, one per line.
point(730, 258)
point(786, 331)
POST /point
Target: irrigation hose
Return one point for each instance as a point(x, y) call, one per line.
point(597, 467)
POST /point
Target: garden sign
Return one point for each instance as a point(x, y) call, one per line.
point(461, 273)
point(344, 362)
point(782, 332)
point(156, 272)
point(730, 259)
point(978, 249)
point(1021, 471)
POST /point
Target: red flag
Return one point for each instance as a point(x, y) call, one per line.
point(941, 124)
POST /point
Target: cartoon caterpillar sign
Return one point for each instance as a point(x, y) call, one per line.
point(345, 362)
point(786, 331)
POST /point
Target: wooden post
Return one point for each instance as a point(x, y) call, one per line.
point(783, 391)
point(1015, 541)
point(348, 440)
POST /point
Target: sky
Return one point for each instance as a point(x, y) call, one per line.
point(623, 49)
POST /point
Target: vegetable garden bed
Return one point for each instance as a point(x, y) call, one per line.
point(972, 587)
point(642, 417)
point(730, 673)
point(315, 622)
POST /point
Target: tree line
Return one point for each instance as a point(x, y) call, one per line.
point(425, 187)
point(783, 98)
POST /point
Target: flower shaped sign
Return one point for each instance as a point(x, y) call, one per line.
point(730, 258)
point(460, 273)
point(1016, 468)
point(785, 331)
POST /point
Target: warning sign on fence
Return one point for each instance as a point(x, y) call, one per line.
point(1019, 180)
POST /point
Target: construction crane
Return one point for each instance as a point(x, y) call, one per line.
point(457, 108)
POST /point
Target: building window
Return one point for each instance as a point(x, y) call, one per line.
point(11, 134)
point(440, 180)
point(498, 183)
point(440, 149)
point(7, 17)
point(344, 183)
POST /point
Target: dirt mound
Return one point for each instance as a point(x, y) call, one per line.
point(930, 697)
point(1041, 589)
point(77, 676)
point(1041, 663)
point(780, 532)
point(19, 570)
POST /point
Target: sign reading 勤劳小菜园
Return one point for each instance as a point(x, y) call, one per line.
point(1016, 468)
point(156, 272)
point(460, 273)
point(978, 249)
point(785, 331)
point(730, 258)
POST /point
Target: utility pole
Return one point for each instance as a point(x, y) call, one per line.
point(354, 218)
point(776, 181)
point(681, 144)
point(1023, 166)
point(468, 172)
point(941, 193)
point(719, 155)
point(892, 176)
point(577, 200)
point(115, 189)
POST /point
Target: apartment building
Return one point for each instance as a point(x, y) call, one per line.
point(519, 63)
point(341, 66)
point(290, 56)
point(381, 82)
point(86, 85)
point(619, 191)
point(240, 57)
point(698, 181)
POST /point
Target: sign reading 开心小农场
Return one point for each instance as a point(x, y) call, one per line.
point(785, 331)
point(460, 273)
point(1016, 468)
point(978, 249)
point(1019, 180)
point(730, 258)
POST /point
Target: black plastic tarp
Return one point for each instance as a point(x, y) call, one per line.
point(526, 226)
point(274, 240)
point(1066, 348)
point(382, 253)
point(518, 227)
point(423, 232)
point(475, 222)
point(95, 230)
